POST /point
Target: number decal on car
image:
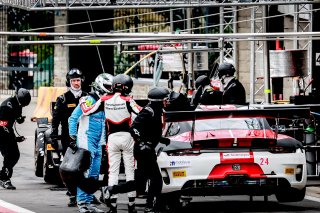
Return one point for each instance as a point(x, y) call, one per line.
point(264, 161)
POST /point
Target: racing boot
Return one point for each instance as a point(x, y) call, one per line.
point(7, 184)
point(113, 205)
point(132, 205)
point(93, 208)
point(95, 201)
point(105, 196)
point(83, 208)
point(149, 205)
point(132, 208)
point(113, 209)
point(149, 210)
point(72, 201)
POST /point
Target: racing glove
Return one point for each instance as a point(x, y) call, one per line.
point(73, 144)
point(21, 119)
point(165, 141)
point(20, 139)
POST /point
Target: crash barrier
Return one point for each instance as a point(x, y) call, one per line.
point(46, 95)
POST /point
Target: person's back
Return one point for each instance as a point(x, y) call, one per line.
point(234, 93)
point(205, 93)
point(118, 108)
point(233, 90)
point(210, 96)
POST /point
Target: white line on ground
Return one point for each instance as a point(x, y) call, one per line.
point(312, 198)
point(13, 207)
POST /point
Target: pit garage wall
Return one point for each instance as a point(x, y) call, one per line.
point(61, 53)
point(3, 39)
point(244, 56)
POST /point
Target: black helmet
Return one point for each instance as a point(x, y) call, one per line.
point(73, 73)
point(23, 96)
point(202, 80)
point(178, 101)
point(122, 83)
point(226, 69)
point(103, 83)
point(158, 94)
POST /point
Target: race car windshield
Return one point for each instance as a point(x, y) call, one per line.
point(218, 124)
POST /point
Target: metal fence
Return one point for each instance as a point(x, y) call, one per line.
point(28, 66)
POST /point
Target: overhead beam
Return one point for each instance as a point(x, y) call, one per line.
point(97, 38)
point(37, 5)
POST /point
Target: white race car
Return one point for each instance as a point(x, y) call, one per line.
point(228, 151)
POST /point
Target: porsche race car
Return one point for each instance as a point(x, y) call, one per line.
point(47, 153)
point(222, 150)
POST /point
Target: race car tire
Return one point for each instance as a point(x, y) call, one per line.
point(51, 175)
point(290, 195)
point(38, 156)
point(169, 202)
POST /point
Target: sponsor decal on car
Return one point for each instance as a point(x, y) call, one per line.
point(179, 173)
point(237, 157)
point(289, 171)
point(179, 163)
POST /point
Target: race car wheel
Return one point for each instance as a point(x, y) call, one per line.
point(38, 155)
point(51, 175)
point(170, 202)
point(291, 195)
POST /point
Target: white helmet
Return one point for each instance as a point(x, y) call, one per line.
point(103, 83)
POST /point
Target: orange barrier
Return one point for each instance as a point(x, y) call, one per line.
point(46, 95)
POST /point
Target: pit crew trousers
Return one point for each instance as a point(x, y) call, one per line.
point(148, 169)
point(10, 152)
point(120, 142)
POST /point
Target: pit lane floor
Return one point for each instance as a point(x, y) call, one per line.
point(34, 195)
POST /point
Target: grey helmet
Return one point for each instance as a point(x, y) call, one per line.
point(103, 83)
point(158, 94)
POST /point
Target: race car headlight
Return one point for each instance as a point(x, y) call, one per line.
point(299, 172)
point(165, 176)
point(282, 149)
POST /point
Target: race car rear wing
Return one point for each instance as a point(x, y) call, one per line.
point(293, 113)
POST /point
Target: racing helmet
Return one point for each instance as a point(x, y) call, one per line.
point(103, 83)
point(158, 94)
point(73, 73)
point(122, 83)
point(23, 97)
point(202, 81)
point(226, 69)
point(178, 102)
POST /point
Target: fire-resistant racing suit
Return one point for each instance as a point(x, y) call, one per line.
point(90, 135)
point(118, 109)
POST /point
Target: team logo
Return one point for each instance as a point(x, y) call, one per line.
point(236, 167)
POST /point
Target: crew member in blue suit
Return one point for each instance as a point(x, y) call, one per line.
point(88, 132)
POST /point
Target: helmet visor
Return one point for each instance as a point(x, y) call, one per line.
point(74, 71)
